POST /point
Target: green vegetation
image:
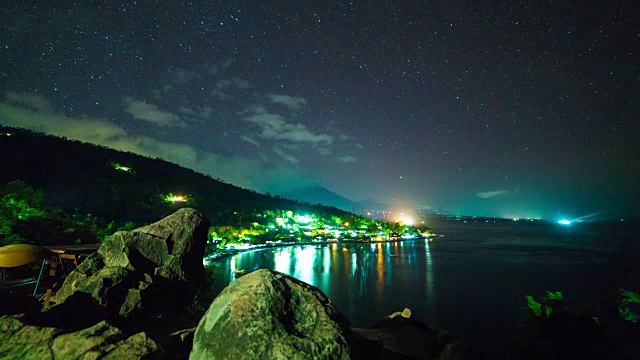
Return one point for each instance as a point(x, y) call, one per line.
point(24, 220)
point(534, 306)
point(18, 203)
point(546, 303)
point(71, 192)
point(628, 298)
point(554, 296)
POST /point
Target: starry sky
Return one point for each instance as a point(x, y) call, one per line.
point(511, 109)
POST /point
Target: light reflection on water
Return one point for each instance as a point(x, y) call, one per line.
point(365, 281)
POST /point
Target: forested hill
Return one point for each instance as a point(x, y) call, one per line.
point(84, 178)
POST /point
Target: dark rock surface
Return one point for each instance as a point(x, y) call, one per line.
point(126, 301)
point(101, 341)
point(144, 271)
point(407, 337)
point(267, 315)
point(459, 351)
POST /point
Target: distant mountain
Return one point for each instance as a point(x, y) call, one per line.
point(371, 204)
point(320, 195)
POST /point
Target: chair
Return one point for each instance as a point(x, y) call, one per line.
point(23, 254)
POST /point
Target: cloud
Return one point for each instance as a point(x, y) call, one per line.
point(273, 126)
point(240, 83)
point(346, 159)
point(182, 76)
point(30, 100)
point(203, 113)
point(288, 157)
point(97, 131)
point(293, 103)
point(492, 194)
point(250, 140)
point(177, 77)
point(234, 83)
point(151, 113)
point(248, 173)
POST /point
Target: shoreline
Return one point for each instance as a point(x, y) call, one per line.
point(217, 255)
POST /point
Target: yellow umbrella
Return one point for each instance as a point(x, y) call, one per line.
point(21, 254)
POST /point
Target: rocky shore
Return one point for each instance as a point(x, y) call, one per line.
point(143, 295)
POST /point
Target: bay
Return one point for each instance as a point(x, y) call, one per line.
point(472, 281)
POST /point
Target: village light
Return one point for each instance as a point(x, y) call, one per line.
point(174, 199)
point(120, 167)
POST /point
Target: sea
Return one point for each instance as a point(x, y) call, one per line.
point(471, 280)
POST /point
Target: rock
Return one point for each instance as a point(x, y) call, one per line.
point(459, 351)
point(401, 336)
point(18, 341)
point(101, 341)
point(91, 265)
point(268, 315)
point(172, 248)
point(149, 269)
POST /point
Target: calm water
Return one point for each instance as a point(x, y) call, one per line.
point(472, 281)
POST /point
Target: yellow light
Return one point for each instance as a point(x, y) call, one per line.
point(408, 221)
point(175, 198)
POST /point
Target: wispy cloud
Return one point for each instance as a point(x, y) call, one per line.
point(346, 159)
point(151, 113)
point(492, 194)
point(233, 83)
point(292, 102)
point(288, 157)
point(202, 113)
point(274, 126)
point(177, 77)
point(249, 139)
point(182, 76)
point(30, 100)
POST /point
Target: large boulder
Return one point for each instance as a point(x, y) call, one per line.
point(151, 268)
point(269, 315)
point(402, 336)
point(101, 341)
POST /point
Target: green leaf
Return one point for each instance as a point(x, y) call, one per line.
point(629, 296)
point(554, 295)
point(534, 306)
point(627, 314)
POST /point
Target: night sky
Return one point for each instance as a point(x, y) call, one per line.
point(515, 109)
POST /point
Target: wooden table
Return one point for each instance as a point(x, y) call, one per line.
point(63, 252)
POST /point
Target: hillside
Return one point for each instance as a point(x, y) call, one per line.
point(83, 177)
point(77, 179)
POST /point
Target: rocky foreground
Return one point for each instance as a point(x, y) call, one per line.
point(140, 296)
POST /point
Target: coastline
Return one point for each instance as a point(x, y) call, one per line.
point(220, 254)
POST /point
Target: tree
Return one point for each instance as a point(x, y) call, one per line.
point(18, 202)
